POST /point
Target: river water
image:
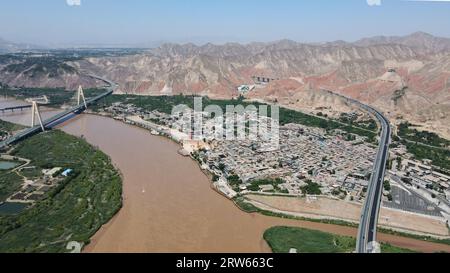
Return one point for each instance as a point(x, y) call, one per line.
point(169, 205)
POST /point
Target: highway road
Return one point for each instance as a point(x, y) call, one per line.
point(59, 117)
point(366, 239)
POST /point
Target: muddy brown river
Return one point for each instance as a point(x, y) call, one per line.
point(169, 205)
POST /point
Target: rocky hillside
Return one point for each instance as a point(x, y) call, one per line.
point(218, 70)
point(41, 70)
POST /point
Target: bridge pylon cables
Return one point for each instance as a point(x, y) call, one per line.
point(35, 112)
point(80, 96)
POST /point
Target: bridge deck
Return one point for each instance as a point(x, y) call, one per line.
point(15, 108)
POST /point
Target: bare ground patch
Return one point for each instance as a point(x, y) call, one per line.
point(323, 207)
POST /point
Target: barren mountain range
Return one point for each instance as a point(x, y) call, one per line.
point(406, 77)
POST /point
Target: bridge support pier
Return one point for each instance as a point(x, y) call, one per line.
point(35, 112)
point(80, 96)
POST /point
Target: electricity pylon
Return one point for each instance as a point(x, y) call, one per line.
point(80, 96)
point(35, 112)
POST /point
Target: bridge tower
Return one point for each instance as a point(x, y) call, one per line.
point(80, 95)
point(35, 112)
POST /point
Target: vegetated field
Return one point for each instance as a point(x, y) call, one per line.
point(247, 207)
point(311, 188)
point(165, 104)
point(72, 211)
point(9, 182)
point(369, 124)
point(439, 157)
point(405, 131)
point(255, 184)
point(420, 144)
point(282, 239)
point(9, 127)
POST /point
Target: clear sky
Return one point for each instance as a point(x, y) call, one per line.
point(56, 22)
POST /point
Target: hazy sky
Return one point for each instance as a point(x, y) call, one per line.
point(56, 22)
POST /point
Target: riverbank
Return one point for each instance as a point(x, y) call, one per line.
point(300, 240)
point(177, 202)
point(168, 202)
point(344, 213)
point(61, 208)
point(331, 209)
point(439, 241)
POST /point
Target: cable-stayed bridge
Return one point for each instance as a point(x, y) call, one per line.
point(81, 106)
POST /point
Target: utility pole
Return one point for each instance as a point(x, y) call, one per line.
point(35, 112)
point(80, 96)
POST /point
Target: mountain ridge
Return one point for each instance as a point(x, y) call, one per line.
point(406, 77)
